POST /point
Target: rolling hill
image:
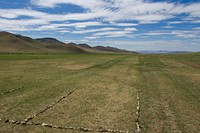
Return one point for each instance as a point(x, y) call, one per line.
point(55, 44)
point(12, 43)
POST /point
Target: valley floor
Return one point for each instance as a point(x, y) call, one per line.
point(99, 92)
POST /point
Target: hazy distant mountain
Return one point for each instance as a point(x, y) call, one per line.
point(112, 49)
point(161, 52)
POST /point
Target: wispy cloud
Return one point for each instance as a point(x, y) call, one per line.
point(178, 33)
point(106, 19)
point(186, 34)
point(197, 28)
point(144, 12)
point(81, 24)
point(175, 22)
point(117, 10)
point(94, 30)
point(20, 25)
point(125, 24)
point(53, 3)
point(167, 26)
point(14, 13)
point(91, 37)
point(120, 33)
point(170, 45)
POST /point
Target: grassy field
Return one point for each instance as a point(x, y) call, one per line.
point(100, 91)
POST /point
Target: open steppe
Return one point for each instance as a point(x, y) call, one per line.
point(99, 92)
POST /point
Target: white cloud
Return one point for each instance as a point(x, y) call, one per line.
point(91, 37)
point(64, 31)
point(197, 28)
point(130, 29)
point(48, 28)
point(20, 25)
point(124, 24)
point(192, 9)
point(157, 33)
point(119, 33)
point(81, 24)
point(175, 22)
point(109, 12)
point(14, 13)
point(145, 12)
point(117, 10)
point(186, 34)
point(167, 26)
point(91, 4)
point(196, 21)
point(171, 45)
point(94, 30)
point(153, 17)
point(109, 33)
point(178, 33)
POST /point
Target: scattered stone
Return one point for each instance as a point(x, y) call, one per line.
point(101, 130)
point(12, 121)
point(11, 90)
point(29, 118)
point(62, 127)
point(17, 122)
point(29, 123)
point(44, 124)
point(138, 129)
point(23, 122)
point(54, 126)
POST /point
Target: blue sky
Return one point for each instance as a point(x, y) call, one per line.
point(128, 24)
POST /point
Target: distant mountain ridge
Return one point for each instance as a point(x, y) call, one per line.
point(84, 45)
point(111, 49)
point(16, 43)
point(12, 43)
point(162, 52)
point(58, 45)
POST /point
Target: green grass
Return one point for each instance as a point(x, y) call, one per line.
point(170, 91)
point(105, 87)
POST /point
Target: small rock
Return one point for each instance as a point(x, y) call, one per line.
point(28, 119)
point(12, 121)
point(44, 124)
point(37, 123)
point(66, 127)
point(60, 127)
point(23, 122)
point(17, 122)
point(54, 126)
point(6, 121)
point(29, 123)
